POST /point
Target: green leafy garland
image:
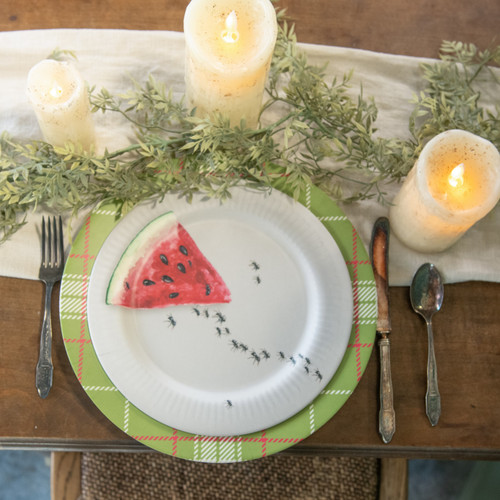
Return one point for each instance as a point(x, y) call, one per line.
point(176, 151)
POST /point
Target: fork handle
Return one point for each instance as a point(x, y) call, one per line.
point(44, 368)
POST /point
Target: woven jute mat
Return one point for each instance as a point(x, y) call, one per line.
point(123, 476)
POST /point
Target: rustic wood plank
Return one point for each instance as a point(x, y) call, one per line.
point(65, 476)
point(468, 369)
point(412, 28)
point(393, 479)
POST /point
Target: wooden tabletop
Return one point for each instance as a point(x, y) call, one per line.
point(467, 339)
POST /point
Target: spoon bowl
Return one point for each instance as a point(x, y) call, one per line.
point(427, 291)
point(426, 296)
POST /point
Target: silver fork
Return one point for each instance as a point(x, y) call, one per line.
point(51, 271)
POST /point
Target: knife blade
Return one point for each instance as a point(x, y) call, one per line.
point(379, 254)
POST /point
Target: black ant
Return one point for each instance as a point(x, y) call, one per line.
point(265, 354)
point(254, 265)
point(244, 347)
point(196, 311)
point(229, 403)
point(258, 280)
point(255, 357)
point(292, 360)
point(307, 361)
point(318, 375)
point(235, 344)
point(171, 321)
point(220, 317)
point(281, 355)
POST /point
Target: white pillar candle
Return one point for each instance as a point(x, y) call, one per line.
point(229, 45)
point(61, 103)
point(454, 183)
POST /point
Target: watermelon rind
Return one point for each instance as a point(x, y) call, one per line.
point(140, 245)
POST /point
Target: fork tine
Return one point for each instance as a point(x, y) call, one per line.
point(49, 241)
point(43, 240)
point(61, 243)
point(54, 249)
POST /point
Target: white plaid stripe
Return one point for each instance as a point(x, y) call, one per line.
point(227, 451)
point(105, 212)
point(99, 388)
point(312, 425)
point(208, 451)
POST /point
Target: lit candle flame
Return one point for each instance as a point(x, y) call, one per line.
point(230, 34)
point(456, 177)
point(56, 91)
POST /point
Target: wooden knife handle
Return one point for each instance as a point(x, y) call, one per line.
point(387, 417)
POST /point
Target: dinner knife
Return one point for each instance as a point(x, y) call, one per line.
point(379, 253)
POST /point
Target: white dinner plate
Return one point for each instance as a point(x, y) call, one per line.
point(236, 368)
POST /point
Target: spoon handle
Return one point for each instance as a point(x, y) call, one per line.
point(432, 397)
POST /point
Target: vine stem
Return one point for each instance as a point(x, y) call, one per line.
point(136, 146)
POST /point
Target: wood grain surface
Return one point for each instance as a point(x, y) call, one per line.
point(414, 28)
point(467, 336)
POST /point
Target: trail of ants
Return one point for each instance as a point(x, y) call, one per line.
point(256, 356)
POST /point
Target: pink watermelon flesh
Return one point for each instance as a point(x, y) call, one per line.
point(172, 272)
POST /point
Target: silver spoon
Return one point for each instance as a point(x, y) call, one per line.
point(426, 295)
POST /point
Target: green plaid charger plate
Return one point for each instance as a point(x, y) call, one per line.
point(165, 439)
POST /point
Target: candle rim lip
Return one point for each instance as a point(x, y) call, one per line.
point(421, 178)
point(70, 68)
point(263, 52)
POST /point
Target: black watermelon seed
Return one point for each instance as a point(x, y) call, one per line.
point(167, 279)
point(207, 290)
point(190, 263)
point(164, 259)
point(173, 295)
point(181, 267)
point(127, 286)
point(183, 249)
point(148, 282)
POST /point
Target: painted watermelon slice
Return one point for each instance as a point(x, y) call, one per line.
point(163, 266)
